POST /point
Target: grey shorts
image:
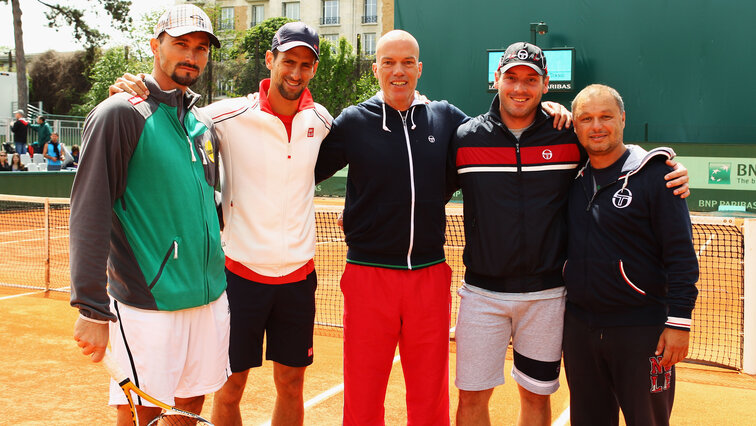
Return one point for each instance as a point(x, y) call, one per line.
point(485, 325)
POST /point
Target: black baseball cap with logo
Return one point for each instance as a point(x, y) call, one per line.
point(522, 53)
point(295, 34)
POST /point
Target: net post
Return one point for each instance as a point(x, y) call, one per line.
point(47, 244)
point(749, 296)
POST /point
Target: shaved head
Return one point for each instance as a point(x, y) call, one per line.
point(397, 35)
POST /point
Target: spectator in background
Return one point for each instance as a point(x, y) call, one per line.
point(16, 164)
point(53, 152)
point(4, 165)
point(19, 128)
point(74, 156)
point(43, 135)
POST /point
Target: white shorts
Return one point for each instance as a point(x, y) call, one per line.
point(171, 354)
point(485, 324)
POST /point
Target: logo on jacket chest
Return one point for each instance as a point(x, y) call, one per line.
point(431, 139)
point(622, 198)
point(310, 132)
point(547, 154)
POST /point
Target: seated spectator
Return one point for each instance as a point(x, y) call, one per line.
point(53, 153)
point(43, 135)
point(19, 131)
point(16, 164)
point(4, 165)
point(75, 155)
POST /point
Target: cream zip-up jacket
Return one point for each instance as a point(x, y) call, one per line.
point(267, 181)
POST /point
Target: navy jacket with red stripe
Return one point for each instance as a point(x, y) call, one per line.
point(515, 199)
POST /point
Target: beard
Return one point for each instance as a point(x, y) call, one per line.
point(185, 80)
point(292, 96)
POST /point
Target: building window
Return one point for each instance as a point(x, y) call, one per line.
point(330, 12)
point(226, 18)
point(368, 43)
point(258, 14)
point(370, 15)
point(291, 10)
point(333, 38)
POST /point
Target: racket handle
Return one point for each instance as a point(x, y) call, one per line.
point(113, 369)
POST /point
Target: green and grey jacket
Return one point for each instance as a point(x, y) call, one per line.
point(142, 207)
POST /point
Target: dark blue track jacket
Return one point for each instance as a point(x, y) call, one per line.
point(401, 174)
point(630, 255)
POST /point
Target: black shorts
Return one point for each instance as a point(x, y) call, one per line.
point(285, 313)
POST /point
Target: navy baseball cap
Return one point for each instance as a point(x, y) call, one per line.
point(522, 53)
point(295, 34)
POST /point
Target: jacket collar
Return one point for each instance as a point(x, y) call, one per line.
point(173, 97)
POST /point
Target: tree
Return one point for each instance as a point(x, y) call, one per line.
point(60, 94)
point(59, 15)
point(111, 65)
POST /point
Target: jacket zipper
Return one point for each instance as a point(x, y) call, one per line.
point(412, 188)
point(201, 202)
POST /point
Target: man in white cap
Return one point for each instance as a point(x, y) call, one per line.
point(146, 258)
point(19, 127)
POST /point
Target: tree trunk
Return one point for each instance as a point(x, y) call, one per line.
point(20, 57)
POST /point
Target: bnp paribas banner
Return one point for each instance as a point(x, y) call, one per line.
point(721, 183)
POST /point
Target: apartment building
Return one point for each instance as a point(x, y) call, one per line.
point(332, 18)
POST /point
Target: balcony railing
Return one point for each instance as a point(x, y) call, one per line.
point(330, 20)
point(372, 19)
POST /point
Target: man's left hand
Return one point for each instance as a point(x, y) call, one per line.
point(562, 116)
point(674, 345)
point(678, 178)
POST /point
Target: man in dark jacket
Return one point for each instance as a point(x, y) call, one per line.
point(19, 128)
point(515, 169)
point(396, 282)
point(630, 275)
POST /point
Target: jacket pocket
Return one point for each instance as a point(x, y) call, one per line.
point(172, 252)
point(600, 285)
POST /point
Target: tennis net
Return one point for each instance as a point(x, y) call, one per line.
point(34, 251)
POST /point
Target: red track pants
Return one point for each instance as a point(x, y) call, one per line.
point(383, 308)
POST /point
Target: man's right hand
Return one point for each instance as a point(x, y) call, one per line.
point(130, 83)
point(91, 337)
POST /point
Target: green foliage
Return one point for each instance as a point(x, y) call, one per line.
point(343, 78)
point(111, 65)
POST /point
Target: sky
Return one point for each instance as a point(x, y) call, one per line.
point(39, 38)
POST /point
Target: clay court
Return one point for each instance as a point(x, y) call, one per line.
point(45, 380)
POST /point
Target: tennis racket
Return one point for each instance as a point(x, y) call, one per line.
point(169, 416)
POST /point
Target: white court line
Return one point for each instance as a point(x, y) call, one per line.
point(32, 240)
point(327, 394)
point(704, 245)
point(24, 294)
point(563, 419)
